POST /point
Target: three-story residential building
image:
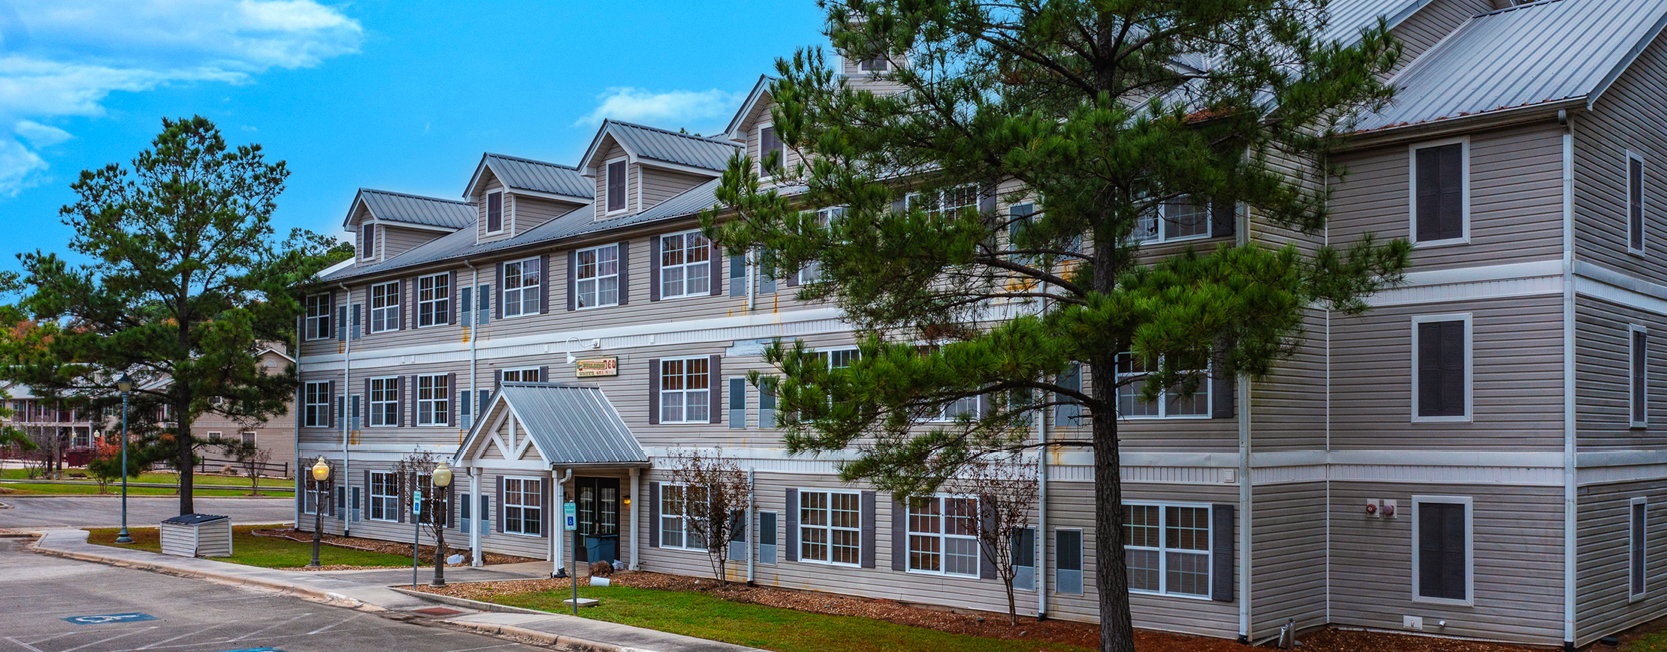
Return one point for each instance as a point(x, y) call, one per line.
point(1477, 456)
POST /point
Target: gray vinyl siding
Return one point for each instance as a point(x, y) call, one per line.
point(658, 185)
point(387, 438)
point(1517, 377)
point(1288, 573)
point(397, 240)
point(1516, 210)
point(530, 212)
point(1186, 434)
point(1603, 381)
point(1518, 562)
point(1602, 603)
point(1627, 117)
point(1422, 30)
point(1288, 408)
point(864, 81)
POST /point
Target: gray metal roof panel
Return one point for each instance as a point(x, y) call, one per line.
point(1537, 53)
point(573, 424)
point(672, 147)
point(416, 209)
point(526, 174)
point(1348, 17)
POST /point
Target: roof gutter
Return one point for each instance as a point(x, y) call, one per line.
point(1396, 135)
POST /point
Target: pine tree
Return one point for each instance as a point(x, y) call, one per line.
point(1099, 114)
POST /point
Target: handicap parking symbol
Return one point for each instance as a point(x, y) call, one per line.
point(105, 619)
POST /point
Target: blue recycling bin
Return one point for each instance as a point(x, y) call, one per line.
point(601, 547)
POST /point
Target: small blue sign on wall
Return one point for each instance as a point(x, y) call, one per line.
point(106, 619)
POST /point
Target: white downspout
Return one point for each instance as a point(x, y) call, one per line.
point(474, 336)
point(636, 500)
point(1570, 441)
point(1041, 571)
point(752, 522)
point(558, 522)
point(300, 402)
point(1243, 237)
point(347, 407)
point(474, 523)
point(752, 281)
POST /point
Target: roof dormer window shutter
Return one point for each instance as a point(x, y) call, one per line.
point(494, 212)
point(616, 185)
point(769, 143)
point(367, 241)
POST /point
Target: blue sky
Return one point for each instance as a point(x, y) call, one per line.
point(396, 95)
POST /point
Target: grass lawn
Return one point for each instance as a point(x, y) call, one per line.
point(771, 628)
point(168, 478)
point(266, 552)
point(1656, 642)
point(116, 488)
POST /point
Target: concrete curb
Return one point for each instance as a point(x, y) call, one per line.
point(150, 485)
point(467, 603)
point(290, 498)
point(282, 588)
point(547, 639)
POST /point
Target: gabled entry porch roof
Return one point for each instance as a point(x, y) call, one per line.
point(563, 425)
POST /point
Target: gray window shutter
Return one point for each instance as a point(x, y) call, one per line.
point(451, 297)
point(624, 273)
point(1638, 532)
point(466, 306)
point(737, 403)
point(404, 300)
point(737, 276)
point(1068, 561)
point(715, 262)
point(1223, 399)
point(1440, 192)
point(900, 204)
point(792, 525)
point(411, 399)
point(986, 521)
point(1441, 370)
point(480, 402)
point(1221, 545)
point(867, 554)
point(546, 507)
point(367, 404)
point(899, 535)
point(497, 378)
point(1224, 218)
point(766, 275)
point(483, 303)
point(543, 374)
point(334, 406)
point(653, 515)
point(1640, 375)
point(330, 314)
point(572, 279)
point(400, 401)
point(738, 535)
point(399, 505)
point(1441, 556)
point(714, 389)
point(358, 329)
point(792, 280)
point(654, 268)
point(987, 199)
point(451, 399)
point(544, 279)
point(354, 422)
point(1635, 203)
point(654, 390)
point(1069, 415)
point(357, 510)
point(341, 502)
point(499, 517)
point(498, 310)
point(1024, 559)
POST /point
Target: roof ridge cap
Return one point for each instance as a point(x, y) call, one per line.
point(414, 196)
point(524, 159)
point(1511, 8)
point(669, 132)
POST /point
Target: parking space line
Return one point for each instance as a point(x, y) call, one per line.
point(229, 640)
point(43, 640)
point(139, 631)
point(169, 640)
point(327, 627)
point(26, 645)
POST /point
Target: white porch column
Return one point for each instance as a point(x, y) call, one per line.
point(474, 523)
point(636, 499)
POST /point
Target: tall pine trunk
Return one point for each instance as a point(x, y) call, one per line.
point(1111, 574)
point(184, 460)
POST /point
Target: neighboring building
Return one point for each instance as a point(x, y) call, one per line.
point(276, 434)
point(72, 432)
point(1475, 457)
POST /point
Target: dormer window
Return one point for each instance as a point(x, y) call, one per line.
point(874, 65)
point(367, 241)
point(494, 212)
point(616, 185)
point(768, 144)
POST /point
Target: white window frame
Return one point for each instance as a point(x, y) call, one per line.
point(1632, 331)
point(310, 492)
point(607, 175)
point(503, 212)
point(1163, 548)
point(942, 536)
point(1469, 367)
point(1204, 393)
point(436, 404)
point(1643, 194)
point(1156, 222)
point(704, 266)
point(389, 311)
point(830, 528)
point(521, 291)
point(1634, 552)
point(681, 517)
point(389, 502)
point(507, 505)
point(595, 280)
point(911, 198)
point(440, 306)
point(521, 374)
point(317, 323)
point(686, 391)
point(374, 420)
point(246, 436)
point(315, 414)
point(1464, 191)
point(1469, 549)
point(213, 435)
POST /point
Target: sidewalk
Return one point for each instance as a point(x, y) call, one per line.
point(372, 590)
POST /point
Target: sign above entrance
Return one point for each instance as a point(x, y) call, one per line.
point(594, 367)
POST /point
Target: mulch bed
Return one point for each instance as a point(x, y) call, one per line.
point(988, 625)
point(426, 553)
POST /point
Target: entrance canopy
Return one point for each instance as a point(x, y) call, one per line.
point(526, 425)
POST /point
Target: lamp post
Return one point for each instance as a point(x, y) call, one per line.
point(124, 385)
point(441, 479)
point(321, 472)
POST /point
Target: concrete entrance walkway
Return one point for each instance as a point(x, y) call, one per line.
point(378, 590)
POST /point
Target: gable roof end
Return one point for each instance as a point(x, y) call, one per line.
point(528, 175)
point(416, 210)
point(697, 154)
point(570, 425)
point(759, 90)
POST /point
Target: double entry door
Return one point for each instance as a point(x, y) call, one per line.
point(597, 509)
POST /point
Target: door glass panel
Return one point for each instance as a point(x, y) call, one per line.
point(607, 518)
point(587, 510)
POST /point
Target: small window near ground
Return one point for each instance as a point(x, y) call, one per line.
point(679, 505)
point(524, 506)
point(943, 535)
point(1168, 549)
point(384, 496)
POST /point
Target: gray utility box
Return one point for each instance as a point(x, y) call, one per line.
point(197, 535)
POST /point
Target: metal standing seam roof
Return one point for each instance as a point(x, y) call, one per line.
point(673, 147)
point(1348, 17)
point(1537, 53)
point(538, 176)
point(571, 424)
point(414, 209)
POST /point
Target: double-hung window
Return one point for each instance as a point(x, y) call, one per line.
point(1182, 218)
point(523, 286)
point(681, 505)
point(1635, 203)
point(524, 506)
point(685, 265)
point(684, 387)
point(1167, 549)
point(318, 317)
point(433, 300)
point(384, 307)
point(616, 186)
point(596, 276)
point(1442, 549)
point(943, 535)
point(948, 201)
point(384, 496)
point(527, 375)
point(830, 527)
point(433, 400)
point(1131, 378)
point(1639, 376)
point(1441, 192)
point(1441, 364)
point(384, 401)
point(315, 410)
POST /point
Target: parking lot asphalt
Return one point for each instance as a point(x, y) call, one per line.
point(142, 511)
point(48, 604)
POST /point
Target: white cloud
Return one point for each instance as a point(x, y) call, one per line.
point(670, 109)
point(64, 57)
